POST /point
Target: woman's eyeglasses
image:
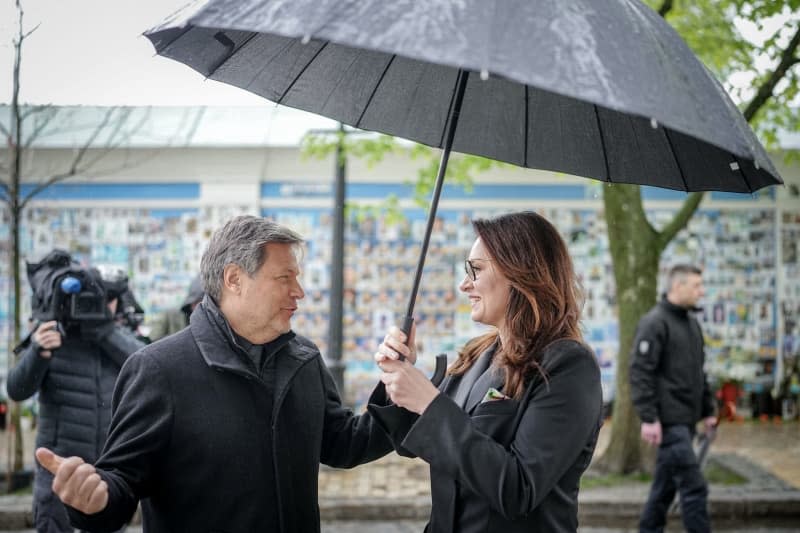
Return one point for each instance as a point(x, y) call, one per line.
point(471, 269)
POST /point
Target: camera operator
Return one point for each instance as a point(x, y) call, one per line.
point(73, 364)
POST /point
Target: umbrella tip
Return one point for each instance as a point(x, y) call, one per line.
point(484, 74)
point(654, 123)
point(305, 39)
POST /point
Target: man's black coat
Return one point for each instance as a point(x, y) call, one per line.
point(666, 370)
point(188, 432)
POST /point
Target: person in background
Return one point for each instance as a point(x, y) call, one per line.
point(174, 320)
point(671, 394)
point(74, 370)
point(513, 426)
point(222, 426)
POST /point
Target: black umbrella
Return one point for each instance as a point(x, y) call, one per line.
point(598, 88)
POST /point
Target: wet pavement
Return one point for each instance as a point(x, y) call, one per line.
point(392, 495)
point(346, 526)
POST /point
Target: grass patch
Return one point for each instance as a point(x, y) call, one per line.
point(715, 474)
point(595, 481)
point(24, 491)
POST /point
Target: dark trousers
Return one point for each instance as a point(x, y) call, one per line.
point(677, 469)
point(49, 514)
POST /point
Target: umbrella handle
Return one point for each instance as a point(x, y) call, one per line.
point(441, 359)
point(441, 368)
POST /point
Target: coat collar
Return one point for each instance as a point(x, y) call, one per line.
point(472, 375)
point(218, 347)
point(672, 308)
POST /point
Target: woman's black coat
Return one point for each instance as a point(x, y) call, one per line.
point(506, 465)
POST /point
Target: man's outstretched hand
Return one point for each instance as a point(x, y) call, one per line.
point(75, 481)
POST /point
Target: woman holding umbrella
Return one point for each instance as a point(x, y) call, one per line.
point(513, 426)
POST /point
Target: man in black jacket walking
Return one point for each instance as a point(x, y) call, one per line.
point(671, 394)
point(222, 426)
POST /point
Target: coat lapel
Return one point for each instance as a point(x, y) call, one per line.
point(287, 363)
point(492, 377)
point(472, 375)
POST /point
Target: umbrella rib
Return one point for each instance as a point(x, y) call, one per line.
point(675, 157)
point(602, 143)
point(374, 90)
point(450, 110)
point(234, 50)
point(299, 74)
point(744, 176)
point(170, 43)
point(338, 83)
point(266, 65)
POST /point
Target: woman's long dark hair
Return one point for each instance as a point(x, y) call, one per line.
point(545, 300)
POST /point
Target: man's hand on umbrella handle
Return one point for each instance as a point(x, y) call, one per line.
point(75, 482)
point(394, 345)
point(651, 433)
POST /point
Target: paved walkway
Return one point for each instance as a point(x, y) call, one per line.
point(772, 448)
point(766, 454)
point(397, 489)
point(360, 526)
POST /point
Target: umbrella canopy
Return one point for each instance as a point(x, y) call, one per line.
point(598, 88)
point(603, 89)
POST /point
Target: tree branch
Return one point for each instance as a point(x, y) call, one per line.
point(57, 178)
point(680, 220)
point(76, 161)
point(81, 163)
point(31, 110)
point(765, 91)
point(28, 34)
point(39, 126)
point(90, 141)
point(112, 144)
point(43, 185)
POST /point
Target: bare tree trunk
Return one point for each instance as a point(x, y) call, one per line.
point(636, 249)
point(15, 444)
point(635, 255)
point(14, 461)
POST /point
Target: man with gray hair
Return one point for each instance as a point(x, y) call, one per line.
point(671, 394)
point(222, 426)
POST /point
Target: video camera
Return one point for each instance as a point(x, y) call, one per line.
point(129, 312)
point(69, 293)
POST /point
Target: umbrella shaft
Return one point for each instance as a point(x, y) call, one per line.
point(452, 122)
